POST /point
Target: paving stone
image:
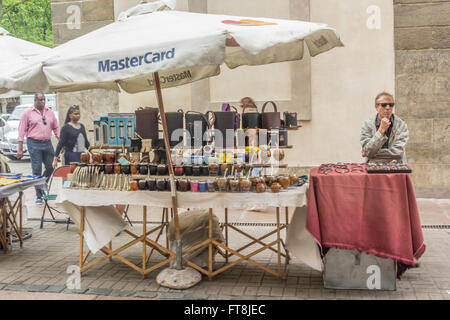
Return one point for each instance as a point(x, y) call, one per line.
point(55, 289)
point(219, 297)
point(213, 290)
point(170, 295)
point(78, 291)
point(37, 288)
point(15, 287)
point(244, 298)
point(121, 293)
point(146, 294)
point(238, 290)
point(196, 296)
point(289, 292)
point(263, 291)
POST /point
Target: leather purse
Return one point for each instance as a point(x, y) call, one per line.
point(193, 118)
point(147, 123)
point(290, 119)
point(174, 121)
point(225, 120)
point(227, 108)
point(270, 120)
point(251, 120)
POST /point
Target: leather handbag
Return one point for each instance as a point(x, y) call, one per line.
point(147, 123)
point(227, 108)
point(225, 120)
point(193, 119)
point(251, 120)
point(270, 120)
point(290, 119)
point(174, 121)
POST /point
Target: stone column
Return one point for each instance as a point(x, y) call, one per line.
point(422, 47)
point(71, 19)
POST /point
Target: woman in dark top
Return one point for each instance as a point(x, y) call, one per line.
point(72, 138)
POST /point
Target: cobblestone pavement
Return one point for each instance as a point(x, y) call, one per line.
point(40, 266)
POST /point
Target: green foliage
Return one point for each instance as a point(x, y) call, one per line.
point(29, 20)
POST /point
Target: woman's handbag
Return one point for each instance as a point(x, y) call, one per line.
point(226, 120)
point(290, 119)
point(251, 120)
point(174, 122)
point(270, 120)
point(237, 118)
point(193, 119)
point(147, 123)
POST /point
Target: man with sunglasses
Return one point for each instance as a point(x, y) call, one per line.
point(384, 136)
point(37, 124)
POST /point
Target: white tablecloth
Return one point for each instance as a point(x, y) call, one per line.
point(295, 197)
point(103, 221)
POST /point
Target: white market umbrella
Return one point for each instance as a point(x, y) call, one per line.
point(162, 49)
point(182, 46)
point(14, 53)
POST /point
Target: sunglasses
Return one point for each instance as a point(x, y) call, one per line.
point(43, 120)
point(384, 105)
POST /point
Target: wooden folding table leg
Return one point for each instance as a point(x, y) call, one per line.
point(4, 225)
point(80, 261)
point(226, 234)
point(144, 243)
point(287, 227)
point(166, 215)
point(20, 219)
point(278, 242)
point(210, 265)
point(110, 248)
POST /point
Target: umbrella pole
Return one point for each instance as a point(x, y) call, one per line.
point(178, 263)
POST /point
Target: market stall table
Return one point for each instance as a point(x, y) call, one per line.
point(92, 222)
point(374, 213)
point(13, 210)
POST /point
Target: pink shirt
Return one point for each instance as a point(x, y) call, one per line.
point(32, 126)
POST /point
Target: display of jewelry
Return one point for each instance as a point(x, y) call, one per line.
point(387, 167)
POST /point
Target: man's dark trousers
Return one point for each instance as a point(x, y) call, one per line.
point(41, 152)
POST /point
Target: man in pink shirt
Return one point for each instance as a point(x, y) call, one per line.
point(37, 124)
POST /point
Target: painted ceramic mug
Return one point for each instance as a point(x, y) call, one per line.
point(194, 186)
point(161, 185)
point(212, 185)
point(202, 186)
point(188, 170)
point(151, 184)
point(183, 185)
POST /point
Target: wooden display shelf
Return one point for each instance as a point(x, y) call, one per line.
point(106, 147)
point(257, 129)
point(242, 148)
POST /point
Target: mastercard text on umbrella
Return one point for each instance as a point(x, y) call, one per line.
point(109, 65)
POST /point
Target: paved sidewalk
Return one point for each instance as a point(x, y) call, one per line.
point(40, 268)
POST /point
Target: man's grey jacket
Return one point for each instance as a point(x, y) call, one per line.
point(372, 141)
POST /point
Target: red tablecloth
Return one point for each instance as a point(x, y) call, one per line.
point(374, 213)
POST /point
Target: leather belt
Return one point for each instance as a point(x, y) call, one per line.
point(38, 140)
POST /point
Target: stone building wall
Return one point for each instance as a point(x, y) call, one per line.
point(71, 19)
point(422, 49)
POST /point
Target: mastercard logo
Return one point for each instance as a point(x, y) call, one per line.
point(248, 23)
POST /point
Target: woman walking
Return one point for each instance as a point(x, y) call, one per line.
point(73, 138)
